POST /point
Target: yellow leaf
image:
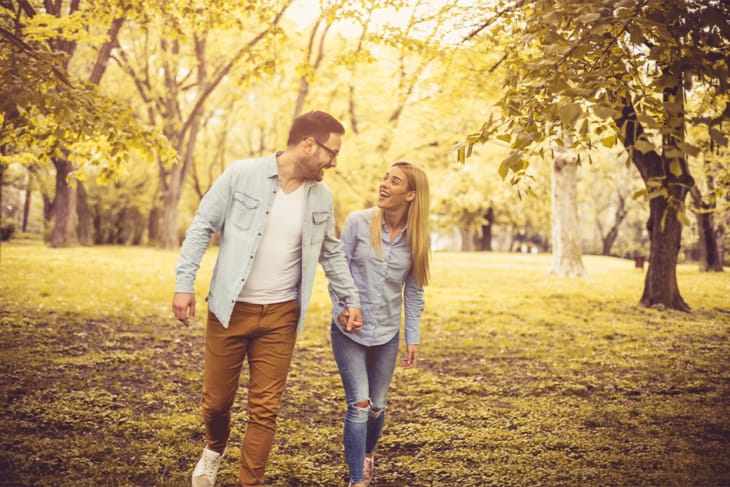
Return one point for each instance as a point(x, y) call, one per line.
point(683, 218)
point(675, 168)
point(609, 141)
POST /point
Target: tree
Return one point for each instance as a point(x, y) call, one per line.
point(50, 118)
point(630, 64)
point(567, 260)
point(461, 202)
point(175, 73)
point(607, 205)
point(707, 196)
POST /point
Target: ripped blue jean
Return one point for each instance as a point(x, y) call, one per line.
point(366, 373)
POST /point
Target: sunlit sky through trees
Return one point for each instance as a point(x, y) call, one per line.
point(304, 12)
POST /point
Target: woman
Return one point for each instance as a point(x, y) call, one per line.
point(387, 249)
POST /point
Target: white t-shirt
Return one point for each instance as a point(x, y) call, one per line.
point(277, 268)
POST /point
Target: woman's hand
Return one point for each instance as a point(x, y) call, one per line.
point(350, 320)
point(411, 357)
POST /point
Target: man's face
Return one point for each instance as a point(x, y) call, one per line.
point(323, 155)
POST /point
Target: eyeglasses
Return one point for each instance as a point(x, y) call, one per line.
point(332, 153)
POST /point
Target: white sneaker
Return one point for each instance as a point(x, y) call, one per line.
point(207, 468)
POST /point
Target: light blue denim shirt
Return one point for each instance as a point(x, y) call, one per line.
point(386, 285)
point(238, 205)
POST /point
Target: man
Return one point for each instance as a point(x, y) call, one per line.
point(276, 221)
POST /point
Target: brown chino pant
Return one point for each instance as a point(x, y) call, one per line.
point(265, 335)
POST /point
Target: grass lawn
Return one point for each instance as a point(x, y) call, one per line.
point(525, 379)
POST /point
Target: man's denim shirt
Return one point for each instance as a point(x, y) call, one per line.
point(238, 205)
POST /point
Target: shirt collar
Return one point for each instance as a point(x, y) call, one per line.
point(272, 170)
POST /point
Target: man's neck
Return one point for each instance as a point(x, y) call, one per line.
point(288, 180)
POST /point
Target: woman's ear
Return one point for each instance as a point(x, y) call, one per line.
point(411, 196)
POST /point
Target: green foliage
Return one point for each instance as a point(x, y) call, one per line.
point(525, 378)
point(574, 67)
point(45, 113)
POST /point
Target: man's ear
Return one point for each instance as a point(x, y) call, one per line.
point(307, 146)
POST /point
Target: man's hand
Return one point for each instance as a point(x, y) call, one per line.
point(351, 320)
point(183, 307)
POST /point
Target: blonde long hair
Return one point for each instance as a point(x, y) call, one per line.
point(417, 229)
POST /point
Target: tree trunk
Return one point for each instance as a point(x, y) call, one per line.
point(467, 239)
point(73, 223)
point(670, 182)
point(168, 236)
point(85, 227)
point(709, 256)
point(153, 226)
point(26, 204)
point(720, 242)
point(665, 235)
point(486, 241)
point(64, 207)
point(610, 238)
point(171, 193)
point(567, 258)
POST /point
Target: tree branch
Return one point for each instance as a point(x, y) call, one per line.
point(223, 71)
point(490, 21)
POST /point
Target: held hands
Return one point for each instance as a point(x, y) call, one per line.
point(351, 320)
point(183, 307)
point(411, 357)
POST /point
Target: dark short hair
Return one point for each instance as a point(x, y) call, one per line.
point(315, 124)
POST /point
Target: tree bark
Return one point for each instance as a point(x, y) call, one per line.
point(486, 241)
point(720, 242)
point(467, 240)
point(665, 230)
point(66, 220)
point(665, 235)
point(567, 258)
point(171, 193)
point(85, 227)
point(610, 238)
point(26, 204)
point(153, 226)
point(709, 255)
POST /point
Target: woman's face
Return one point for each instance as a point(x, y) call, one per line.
point(394, 193)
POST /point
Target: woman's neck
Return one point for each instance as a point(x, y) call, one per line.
point(395, 220)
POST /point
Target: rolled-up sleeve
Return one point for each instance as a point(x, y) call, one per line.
point(208, 220)
point(413, 303)
point(335, 262)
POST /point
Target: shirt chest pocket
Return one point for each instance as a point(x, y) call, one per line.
point(319, 225)
point(243, 210)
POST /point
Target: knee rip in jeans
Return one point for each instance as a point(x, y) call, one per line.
point(357, 412)
point(375, 412)
point(366, 404)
